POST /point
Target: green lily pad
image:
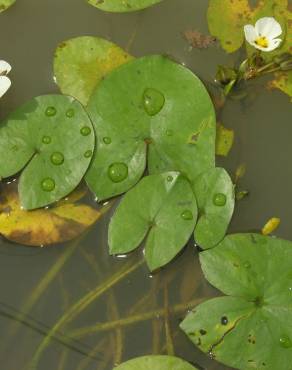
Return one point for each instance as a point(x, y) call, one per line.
point(122, 6)
point(5, 4)
point(155, 363)
point(161, 207)
point(214, 192)
point(250, 329)
point(82, 62)
point(149, 105)
point(51, 138)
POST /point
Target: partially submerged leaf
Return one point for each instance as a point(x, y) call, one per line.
point(155, 363)
point(161, 207)
point(5, 4)
point(255, 271)
point(149, 106)
point(82, 62)
point(57, 224)
point(51, 138)
point(122, 6)
point(224, 140)
point(214, 192)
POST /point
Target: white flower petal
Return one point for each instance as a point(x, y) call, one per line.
point(5, 83)
point(268, 27)
point(250, 34)
point(273, 44)
point(5, 67)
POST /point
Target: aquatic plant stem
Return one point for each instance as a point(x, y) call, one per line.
point(79, 306)
point(79, 333)
point(168, 335)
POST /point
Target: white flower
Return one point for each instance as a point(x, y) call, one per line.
point(263, 35)
point(5, 82)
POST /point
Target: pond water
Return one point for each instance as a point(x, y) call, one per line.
point(39, 286)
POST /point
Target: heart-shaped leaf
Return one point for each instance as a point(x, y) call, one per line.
point(57, 224)
point(214, 192)
point(122, 6)
point(155, 363)
point(161, 207)
point(150, 105)
point(5, 4)
point(52, 138)
point(82, 62)
point(252, 328)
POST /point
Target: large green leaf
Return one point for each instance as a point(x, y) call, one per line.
point(214, 191)
point(122, 6)
point(149, 105)
point(252, 328)
point(4, 4)
point(81, 63)
point(155, 363)
point(52, 139)
point(161, 207)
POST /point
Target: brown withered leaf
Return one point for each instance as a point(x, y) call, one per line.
point(63, 222)
point(198, 40)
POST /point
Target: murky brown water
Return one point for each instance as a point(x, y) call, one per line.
point(47, 282)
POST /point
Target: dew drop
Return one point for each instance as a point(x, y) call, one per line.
point(187, 215)
point(118, 172)
point(51, 111)
point(46, 139)
point(224, 320)
point(48, 184)
point(85, 130)
point(57, 158)
point(107, 140)
point(285, 342)
point(153, 101)
point(219, 199)
point(70, 113)
point(88, 154)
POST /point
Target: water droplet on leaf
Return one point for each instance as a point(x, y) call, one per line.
point(107, 140)
point(219, 199)
point(85, 131)
point(51, 111)
point(285, 342)
point(70, 113)
point(187, 215)
point(57, 158)
point(48, 184)
point(169, 178)
point(169, 132)
point(88, 154)
point(224, 320)
point(153, 101)
point(46, 139)
point(118, 172)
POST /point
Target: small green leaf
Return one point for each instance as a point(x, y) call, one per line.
point(138, 109)
point(82, 62)
point(155, 363)
point(255, 271)
point(214, 192)
point(5, 4)
point(122, 6)
point(51, 138)
point(224, 140)
point(161, 207)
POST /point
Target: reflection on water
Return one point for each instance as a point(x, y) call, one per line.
point(61, 290)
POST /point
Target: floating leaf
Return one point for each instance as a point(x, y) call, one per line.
point(58, 224)
point(82, 62)
point(283, 82)
point(150, 105)
point(255, 271)
point(271, 225)
point(161, 207)
point(122, 6)
point(52, 138)
point(5, 4)
point(214, 192)
point(155, 363)
point(224, 140)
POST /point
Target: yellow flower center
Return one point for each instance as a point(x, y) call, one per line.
point(262, 41)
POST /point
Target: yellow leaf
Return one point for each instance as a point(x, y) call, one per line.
point(271, 226)
point(40, 227)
